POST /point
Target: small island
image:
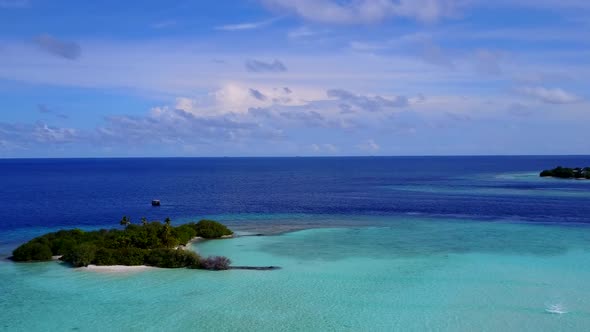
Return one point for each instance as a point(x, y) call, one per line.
point(149, 243)
point(567, 173)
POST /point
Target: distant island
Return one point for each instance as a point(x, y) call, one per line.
point(567, 173)
point(149, 243)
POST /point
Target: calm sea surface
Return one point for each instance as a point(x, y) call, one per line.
point(406, 243)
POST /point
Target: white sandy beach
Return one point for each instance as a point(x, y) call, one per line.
point(199, 239)
point(116, 268)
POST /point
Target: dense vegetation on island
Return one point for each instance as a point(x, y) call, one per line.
point(567, 173)
point(150, 243)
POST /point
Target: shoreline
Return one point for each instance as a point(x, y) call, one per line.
point(197, 239)
point(115, 268)
point(562, 178)
point(140, 268)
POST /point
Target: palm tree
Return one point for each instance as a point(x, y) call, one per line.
point(167, 229)
point(125, 221)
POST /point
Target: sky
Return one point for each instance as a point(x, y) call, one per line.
point(293, 78)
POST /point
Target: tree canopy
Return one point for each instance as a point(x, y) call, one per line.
point(567, 173)
point(151, 243)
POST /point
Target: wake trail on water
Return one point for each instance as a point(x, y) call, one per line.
point(557, 309)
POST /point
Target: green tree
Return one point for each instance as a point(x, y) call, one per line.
point(150, 244)
point(82, 255)
point(125, 221)
point(167, 227)
point(104, 256)
point(210, 229)
point(167, 238)
point(32, 251)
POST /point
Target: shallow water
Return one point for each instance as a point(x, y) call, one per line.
point(412, 275)
point(502, 184)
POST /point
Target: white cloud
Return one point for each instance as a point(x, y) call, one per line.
point(168, 125)
point(186, 104)
point(550, 95)
point(324, 148)
point(545, 4)
point(366, 103)
point(27, 135)
point(44, 133)
point(246, 26)
point(238, 95)
point(238, 98)
point(368, 146)
point(302, 32)
point(371, 11)
point(330, 147)
point(151, 69)
point(367, 11)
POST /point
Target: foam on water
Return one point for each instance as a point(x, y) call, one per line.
point(557, 308)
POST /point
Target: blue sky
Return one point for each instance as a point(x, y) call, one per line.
point(294, 77)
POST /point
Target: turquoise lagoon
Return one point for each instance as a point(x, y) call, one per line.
point(402, 273)
point(502, 185)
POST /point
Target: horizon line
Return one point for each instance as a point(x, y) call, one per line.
point(303, 156)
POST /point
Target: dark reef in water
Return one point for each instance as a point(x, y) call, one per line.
point(567, 173)
point(256, 268)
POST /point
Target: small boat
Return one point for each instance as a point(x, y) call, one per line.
point(156, 202)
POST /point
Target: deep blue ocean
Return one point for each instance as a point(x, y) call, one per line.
point(50, 193)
